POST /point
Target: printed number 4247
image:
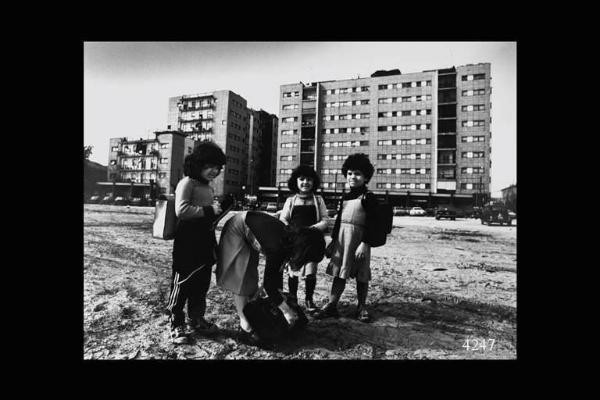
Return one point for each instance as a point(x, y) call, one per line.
point(479, 344)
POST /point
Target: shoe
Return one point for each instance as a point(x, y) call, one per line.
point(178, 335)
point(310, 306)
point(362, 314)
point(329, 311)
point(202, 326)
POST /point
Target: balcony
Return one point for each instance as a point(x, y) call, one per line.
point(208, 118)
point(308, 123)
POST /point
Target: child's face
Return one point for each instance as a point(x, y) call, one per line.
point(305, 184)
point(211, 171)
point(355, 178)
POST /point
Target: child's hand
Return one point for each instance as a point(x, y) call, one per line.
point(362, 251)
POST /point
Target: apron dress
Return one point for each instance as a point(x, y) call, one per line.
point(352, 228)
point(237, 260)
point(304, 215)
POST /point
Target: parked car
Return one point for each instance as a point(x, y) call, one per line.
point(271, 207)
point(138, 201)
point(445, 212)
point(121, 201)
point(400, 211)
point(416, 211)
point(94, 199)
point(496, 213)
point(108, 199)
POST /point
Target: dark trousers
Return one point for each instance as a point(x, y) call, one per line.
point(192, 289)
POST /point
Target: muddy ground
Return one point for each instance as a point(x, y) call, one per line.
point(436, 284)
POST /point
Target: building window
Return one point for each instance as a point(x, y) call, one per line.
point(473, 123)
point(473, 107)
point(115, 148)
point(113, 162)
point(164, 145)
point(473, 154)
point(290, 119)
point(288, 145)
point(164, 160)
point(289, 132)
point(290, 107)
point(470, 139)
point(287, 158)
point(476, 92)
point(474, 77)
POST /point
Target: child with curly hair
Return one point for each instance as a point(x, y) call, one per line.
point(304, 209)
point(351, 238)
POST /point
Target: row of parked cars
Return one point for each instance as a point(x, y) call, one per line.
point(120, 200)
point(489, 214)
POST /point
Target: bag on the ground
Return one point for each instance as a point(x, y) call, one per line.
point(165, 219)
point(267, 320)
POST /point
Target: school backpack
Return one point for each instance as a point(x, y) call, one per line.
point(383, 217)
point(267, 320)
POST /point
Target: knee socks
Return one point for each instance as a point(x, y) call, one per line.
point(311, 283)
point(293, 286)
point(337, 288)
point(362, 288)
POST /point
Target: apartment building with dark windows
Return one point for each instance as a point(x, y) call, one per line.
point(426, 132)
point(224, 117)
point(146, 167)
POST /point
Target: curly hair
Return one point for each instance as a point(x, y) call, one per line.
point(204, 153)
point(361, 162)
point(307, 171)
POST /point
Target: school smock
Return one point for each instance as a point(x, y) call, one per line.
point(352, 227)
point(243, 237)
point(195, 240)
point(305, 211)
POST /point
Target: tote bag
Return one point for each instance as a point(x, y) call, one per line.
point(165, 220)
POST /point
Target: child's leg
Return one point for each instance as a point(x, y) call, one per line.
point(310, 285)
point(330, 309)
point(199, 284)
point(362, 288)
point(240, 302)
point(293, 286)
point(177, 300)
point(337, 288)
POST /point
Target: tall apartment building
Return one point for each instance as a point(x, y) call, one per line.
point(263, 150)
point(221, 117)
point(425, 132)
point(135, 165)
point(243, 134)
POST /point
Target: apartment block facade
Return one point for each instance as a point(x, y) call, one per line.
point(143, 163)
point(425, 132)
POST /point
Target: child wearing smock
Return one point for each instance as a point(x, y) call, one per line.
point(195, 243)
point(351, 238)
point(243, 237)
point(304, 209)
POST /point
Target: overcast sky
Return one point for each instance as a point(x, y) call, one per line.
point(127, 84)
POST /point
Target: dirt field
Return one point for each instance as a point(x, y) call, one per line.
point(436, 284)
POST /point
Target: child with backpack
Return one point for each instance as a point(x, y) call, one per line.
point(354, 232)
point(195, 242)
point(304, 209)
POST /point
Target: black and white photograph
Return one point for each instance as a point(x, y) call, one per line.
point(299, 200)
